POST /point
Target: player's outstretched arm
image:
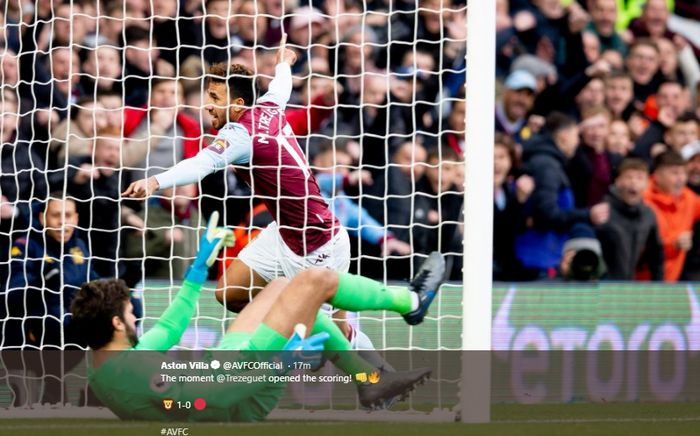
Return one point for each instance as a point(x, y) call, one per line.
point(280, 88)
point(174, 321)
point(183, 173)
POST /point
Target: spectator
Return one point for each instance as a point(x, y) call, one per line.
point(592, 167)
point(455, 135)
point(399, 182)
point(670, 103)
point(23, 180)
point(418, 70)
point(510, 194)
point(653, 22)
point(166, 234)
point(222, 41)
point(96, 182)
point(684, 131)
point(518, 99)
point(551, 207)
point(333, 174)
point(643, 63)
point(619, 94)
point(306, 26)
point(591, 96)
point(677, 209)
point(691, 153)
point(161, 135)
point(436, 191)
point(603, 19)
point(47, 268)
point(75, 136)
point(619, 140)
point(168, 22)
point(9, 68)
point(691, 269)
point(630, 239)
point(102, 70)
point(142, 63)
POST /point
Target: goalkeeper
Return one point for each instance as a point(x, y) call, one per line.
point(130, 384)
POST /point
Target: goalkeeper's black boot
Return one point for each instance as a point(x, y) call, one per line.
point(426, 284)
point(383, 388)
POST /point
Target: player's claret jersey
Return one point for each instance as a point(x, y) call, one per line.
point(278, 174)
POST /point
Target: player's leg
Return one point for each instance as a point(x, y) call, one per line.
point(238, 286)
point(247, 321)
point(257, 264)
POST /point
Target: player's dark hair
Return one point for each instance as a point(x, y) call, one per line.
point(668, 158)
point(239, 79)
point(93, 308)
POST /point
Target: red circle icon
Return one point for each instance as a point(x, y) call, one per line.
point(200, 404)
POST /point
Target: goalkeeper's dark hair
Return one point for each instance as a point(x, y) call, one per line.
point(94, 306)
point(239, 78)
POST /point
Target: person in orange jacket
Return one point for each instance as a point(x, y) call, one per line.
point(677, 208)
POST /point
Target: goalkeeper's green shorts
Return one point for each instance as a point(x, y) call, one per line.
point(259, 405)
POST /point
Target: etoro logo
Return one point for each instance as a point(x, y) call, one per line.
point(625, 331)
point(624, 350)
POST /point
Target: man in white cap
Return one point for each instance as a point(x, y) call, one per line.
point(306, 27)
point(518, 98)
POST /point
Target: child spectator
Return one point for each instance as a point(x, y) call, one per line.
point(630, 239)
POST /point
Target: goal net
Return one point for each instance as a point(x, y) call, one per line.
point(98, 94)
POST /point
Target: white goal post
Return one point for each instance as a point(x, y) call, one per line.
point(475, 392)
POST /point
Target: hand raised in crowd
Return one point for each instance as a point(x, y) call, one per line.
point(578, 18)
point(598, 69)
point(358, 177)
point(657, 149)
point(85, 173)
point(457, 25)
point(600, 213)
point(395, 246)
point(162, 119)
point(524, 21)
point(685, 241)
point(165, 68)
point(524, 187)
point(535, 123)
point(135, 221)
point(7, 210)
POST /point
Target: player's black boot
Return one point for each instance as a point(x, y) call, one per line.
point(389, 387)
point(426, 284)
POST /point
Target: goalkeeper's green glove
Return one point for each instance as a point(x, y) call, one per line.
point(213, 239)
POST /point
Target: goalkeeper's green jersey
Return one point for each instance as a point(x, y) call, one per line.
point(130, 383)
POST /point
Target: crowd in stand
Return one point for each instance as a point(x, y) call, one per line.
point(597, 155)
point(96, 94)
